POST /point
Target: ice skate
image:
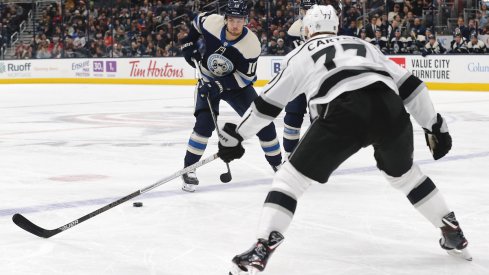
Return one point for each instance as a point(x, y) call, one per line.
point(189, 181)
point(453, 239)
point(255, 259)
point(275, 168)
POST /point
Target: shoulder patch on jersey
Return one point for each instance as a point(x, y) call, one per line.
point(249, 46)
point(213, 24)
point(295, 29)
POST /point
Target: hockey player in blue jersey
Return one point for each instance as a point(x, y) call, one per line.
point(228, 68)
point(296, 109)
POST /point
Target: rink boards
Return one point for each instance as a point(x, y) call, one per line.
point(440, 72)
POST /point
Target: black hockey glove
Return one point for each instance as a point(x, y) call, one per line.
point(438, 139)
point(191, 53)
point(230, 147)
point(211, 89)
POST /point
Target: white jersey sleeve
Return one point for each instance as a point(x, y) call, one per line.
point(412, 91)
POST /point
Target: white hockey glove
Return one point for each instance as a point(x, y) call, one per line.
point(230, 147)
point(438, 139)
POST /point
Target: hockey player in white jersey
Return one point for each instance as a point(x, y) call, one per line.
point(357, 98)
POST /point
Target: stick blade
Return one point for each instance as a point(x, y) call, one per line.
point(30, 227)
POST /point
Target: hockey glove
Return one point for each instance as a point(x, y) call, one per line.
point(191, 53)
point(438, 139)
point(211, 89)
point(230, 147)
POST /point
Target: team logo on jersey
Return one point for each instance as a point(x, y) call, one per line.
point(219, 65)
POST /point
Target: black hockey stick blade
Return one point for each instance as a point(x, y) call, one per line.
point(30, 227)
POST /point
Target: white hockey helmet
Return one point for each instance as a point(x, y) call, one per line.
point(320, 18)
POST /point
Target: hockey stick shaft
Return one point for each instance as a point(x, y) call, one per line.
point(218, 132)
point(214, 119)
point(32, 228)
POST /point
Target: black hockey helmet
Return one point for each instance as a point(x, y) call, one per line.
point(237, 8)
point(306, 4)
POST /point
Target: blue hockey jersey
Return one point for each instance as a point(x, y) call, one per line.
point(233, 63)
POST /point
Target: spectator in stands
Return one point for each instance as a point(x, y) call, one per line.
point(69, 50)
point(418, 44)
point(120, 51)
point(137, 49)
point(408, 21)
point(408, 45)
point(418, 28)
point(483, 16)
point(418, 8)
point(472, 27)
point(42, 51)
point(485, 30)
point(371, 27)
point(379, 41)
point(384, 25)
point(391, 30)
point(279, 19)
point(397, 43)
point(458, 44)
point(352, 29)
point(56, 47)
point(433, 47)
point(272, 47)
point(281, 48)
point(476, 45)
point(352, 14)
point(394, 12)
point(23, 51)
point(461, 28)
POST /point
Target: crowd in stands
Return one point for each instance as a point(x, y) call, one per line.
point(141, 28)
point(11, 15)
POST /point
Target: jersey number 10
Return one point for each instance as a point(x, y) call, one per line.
point(330, 53)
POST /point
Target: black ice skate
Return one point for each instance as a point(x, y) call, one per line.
point(275, 168)
point(453, 239)
point(189, 181)
point(255, 259)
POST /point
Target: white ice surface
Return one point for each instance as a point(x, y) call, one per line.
point(66, 150)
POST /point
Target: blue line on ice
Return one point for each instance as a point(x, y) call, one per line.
point(203, 189)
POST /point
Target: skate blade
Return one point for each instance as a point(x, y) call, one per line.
point(188, 188)
point(463, 254)
point(235, 270)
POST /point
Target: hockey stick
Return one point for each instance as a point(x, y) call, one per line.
point(30, 227)
point(224, 177)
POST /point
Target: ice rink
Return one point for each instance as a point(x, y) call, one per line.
point(66, 150)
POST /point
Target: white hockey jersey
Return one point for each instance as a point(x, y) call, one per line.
point(327, 66)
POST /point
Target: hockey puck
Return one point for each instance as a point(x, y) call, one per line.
point(137, 204)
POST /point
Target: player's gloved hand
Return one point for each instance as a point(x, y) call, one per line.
point(191, 53)
point(209, 89)
point(438, 139)
point(230, 147)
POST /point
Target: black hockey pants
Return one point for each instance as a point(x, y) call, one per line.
point(374, 115)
